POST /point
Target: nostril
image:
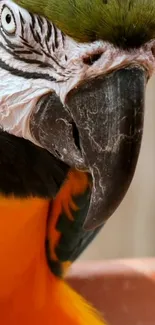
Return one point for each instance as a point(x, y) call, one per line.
point(153, 50)
point(58, 153)
point(90, 59)
point(76, 135)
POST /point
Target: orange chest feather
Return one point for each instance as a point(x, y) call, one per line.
point(30, 293)
point(22, 237)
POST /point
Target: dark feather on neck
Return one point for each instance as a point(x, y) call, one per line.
point(27, 170)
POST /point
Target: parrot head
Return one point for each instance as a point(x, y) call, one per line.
point(73, 79)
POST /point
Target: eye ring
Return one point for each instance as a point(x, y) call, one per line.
point(8, 23)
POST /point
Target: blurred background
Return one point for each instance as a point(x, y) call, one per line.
point(130, 232)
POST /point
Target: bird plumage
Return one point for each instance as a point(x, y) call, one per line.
point(127, 23)
point(29, 292)
point(67, 130)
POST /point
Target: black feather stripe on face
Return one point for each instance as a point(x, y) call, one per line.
point(36, 41)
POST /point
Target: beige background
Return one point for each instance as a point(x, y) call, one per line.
point(131, 230)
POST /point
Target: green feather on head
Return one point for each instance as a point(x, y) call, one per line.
point(119, 21)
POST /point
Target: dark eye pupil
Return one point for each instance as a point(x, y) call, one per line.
point(8, 18)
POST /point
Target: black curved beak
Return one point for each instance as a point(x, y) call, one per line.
point(108, 113)
point(99, 130)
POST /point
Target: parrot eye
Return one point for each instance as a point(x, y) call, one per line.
point(8, 21)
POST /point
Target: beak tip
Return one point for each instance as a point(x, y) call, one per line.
point(92, 224)
point(106, 112)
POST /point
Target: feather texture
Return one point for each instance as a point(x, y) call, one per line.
point(30, 293)
point(122, 22)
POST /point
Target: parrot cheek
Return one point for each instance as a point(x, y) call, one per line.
point(99, 129)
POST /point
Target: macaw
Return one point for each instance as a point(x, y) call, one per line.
point(73, 75)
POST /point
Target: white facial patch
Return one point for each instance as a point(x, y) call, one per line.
point(36, 58)
point(18, 97)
